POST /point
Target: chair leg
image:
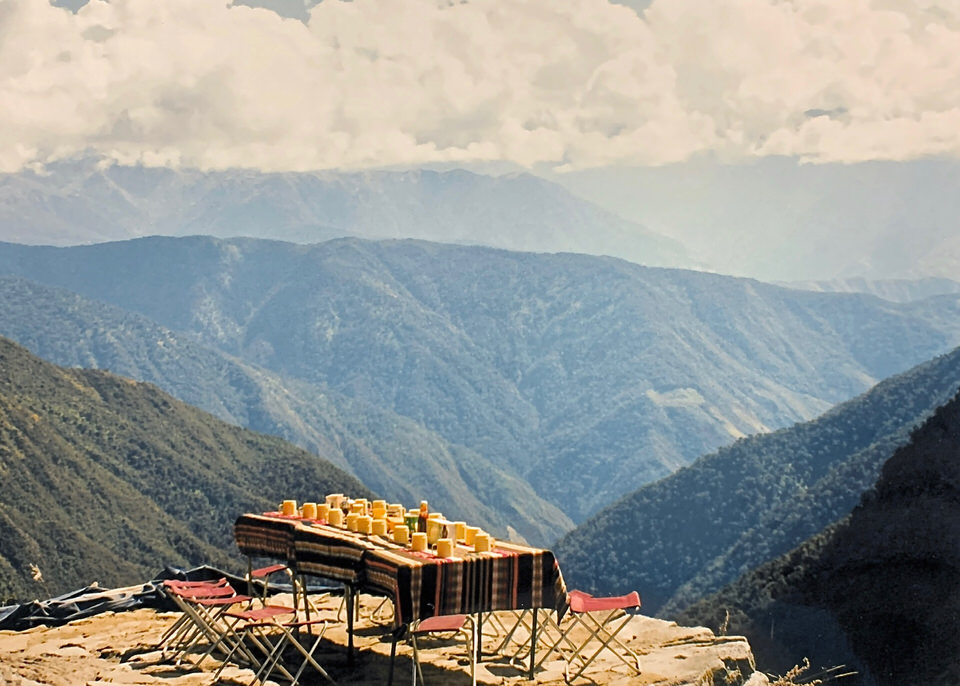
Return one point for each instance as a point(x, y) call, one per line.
point(600, 626)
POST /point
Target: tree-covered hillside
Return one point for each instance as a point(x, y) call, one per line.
point(106, 479)
point(880, 590)
point(548, 366)
point(685, 536)
point(392, 454)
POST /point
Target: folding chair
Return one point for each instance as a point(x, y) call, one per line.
point(203, 605)
point(602, 619)
point(261, 575)
point(444, 624)
point(273, 638)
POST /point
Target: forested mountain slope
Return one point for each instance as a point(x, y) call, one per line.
point(880, 589)
point(689, 534)
point(546, 365)
point(106, 479)
point(394, 456)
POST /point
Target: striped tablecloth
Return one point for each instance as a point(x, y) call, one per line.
point(331, 553)
point(512, 577)
point(266, 535)
point(421, 585)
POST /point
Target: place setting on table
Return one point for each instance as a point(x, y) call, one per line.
point(427, 565)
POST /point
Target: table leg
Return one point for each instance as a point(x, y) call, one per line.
point(478, 648)
point(349, 599)
point(533, 642)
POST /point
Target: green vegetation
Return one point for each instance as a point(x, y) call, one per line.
point(583, 377)
point(106, 479)
point(689, 534)
point(877, 590)
point(393, 455)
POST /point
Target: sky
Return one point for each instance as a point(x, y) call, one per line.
point(556, 85)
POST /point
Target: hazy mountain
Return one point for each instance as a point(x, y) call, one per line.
point(83, 201)
point(778, 218)
point(687, 535)
point(880, 589)
point(895, 290)
point(107, 479)
point(546, 365)
point(388, 452)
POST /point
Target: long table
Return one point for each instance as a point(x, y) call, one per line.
point(510, 577)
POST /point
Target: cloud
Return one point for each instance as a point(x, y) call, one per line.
point(569, 84)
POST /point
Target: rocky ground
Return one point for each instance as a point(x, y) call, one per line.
point(119, 648)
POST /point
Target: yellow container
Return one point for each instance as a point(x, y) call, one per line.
point(309, 510)
point(434, 530)
point(379, 527)
point(444, 548)
point(364, 524)
point(335, 517)
point(460, 530)
point(289, 508)
point(401, 534)
point(419, 541)
point(322, 511)
point(483, 542)
point(352, 521)
point(469, 533)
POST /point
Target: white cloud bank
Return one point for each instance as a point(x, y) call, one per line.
point(572, 84)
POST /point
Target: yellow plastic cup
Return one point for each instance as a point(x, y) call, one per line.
point(379, 527)
point(309, 510)
point(289, 508)
point(323, 511)
point(401, 534)
point(470, 533)
point(419, 541)
point(444, 548)
point(335, 517)
point(352, 521)
point(482, 543)
point(460, 530)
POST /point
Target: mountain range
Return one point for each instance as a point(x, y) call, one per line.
point(778, 218)
point(546, 366)
point(87, 201)
point(690, 534)
point(390, 453)
point(107, 479)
